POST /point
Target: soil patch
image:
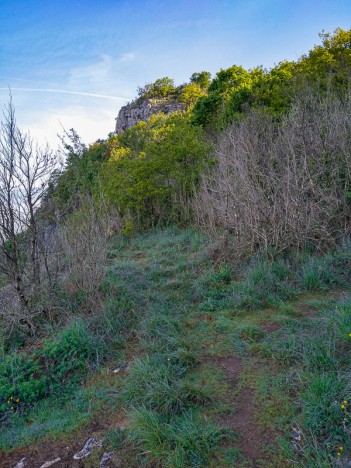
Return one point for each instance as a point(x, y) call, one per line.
point(242, 421)
point(231, 366)
point(37, 455)
point(270, 327)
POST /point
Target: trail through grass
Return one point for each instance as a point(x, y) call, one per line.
point(222, 365)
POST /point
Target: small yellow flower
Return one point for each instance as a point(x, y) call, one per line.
point(339, 454)
point(341, 449)
point(345, 401)
point(17, 401)
point(342, 406)
point(349, 334)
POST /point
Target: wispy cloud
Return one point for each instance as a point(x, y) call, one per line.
point(127, 57)
point(64, 91)
point(94, 72)
point(90, 122)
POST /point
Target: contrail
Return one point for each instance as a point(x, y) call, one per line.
point(63, 91)
point(26, 80)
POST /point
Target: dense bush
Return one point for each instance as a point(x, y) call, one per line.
point(282, 185)
point(28, 377)
point(154, 168)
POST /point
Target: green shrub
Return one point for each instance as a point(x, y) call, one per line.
point(60, 362)
point(152, 172)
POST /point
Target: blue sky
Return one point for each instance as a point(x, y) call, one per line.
point(75, 63)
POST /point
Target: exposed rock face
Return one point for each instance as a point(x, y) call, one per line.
point(136, 112)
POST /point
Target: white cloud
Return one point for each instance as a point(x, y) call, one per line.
point(90, 123)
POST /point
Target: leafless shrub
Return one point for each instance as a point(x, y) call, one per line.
point(283, 184)
point(41, 253)
point(12, 314)
point(84, 252)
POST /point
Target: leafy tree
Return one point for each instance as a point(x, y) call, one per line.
point(205, 110)
point(274, 89)
point(229, 80)
point(235, 89)
point(156, 183)
point(81, 173)
point(202, 79)
point(330, 61)
point(234, 80)
point(190, 94)
point(161, 88)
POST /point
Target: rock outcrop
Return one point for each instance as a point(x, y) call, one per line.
point(89, 446)
point(136, 112)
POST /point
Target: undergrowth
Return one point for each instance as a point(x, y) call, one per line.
point(261, 283)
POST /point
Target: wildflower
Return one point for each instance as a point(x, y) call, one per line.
point(339, 454)
point(342, 406)
point(168, 359)
point(341, 449)
point(349, 334)
point(345, 402)
point(17, 401)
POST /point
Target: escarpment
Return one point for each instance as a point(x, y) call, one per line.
point(139, 111)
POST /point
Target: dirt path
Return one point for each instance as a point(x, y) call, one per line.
point(241, 421)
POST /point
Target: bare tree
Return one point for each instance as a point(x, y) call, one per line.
point(25, 169)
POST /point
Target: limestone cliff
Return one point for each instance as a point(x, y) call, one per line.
point(135, 112)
